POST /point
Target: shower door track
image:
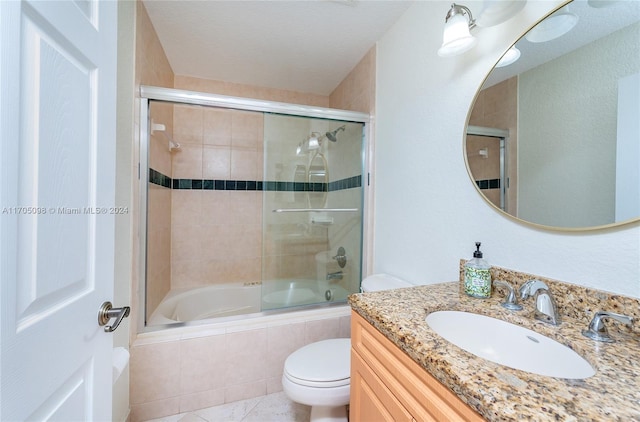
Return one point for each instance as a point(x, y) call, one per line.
point(239, 103)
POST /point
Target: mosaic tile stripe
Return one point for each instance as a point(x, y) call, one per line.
point(488, 184)
point(252, 185)
point(160, 179)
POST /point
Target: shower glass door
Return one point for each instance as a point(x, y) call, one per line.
point(312, 210)
point(486, 150)
point(246, 207)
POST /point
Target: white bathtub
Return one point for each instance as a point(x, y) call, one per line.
point(225, 300)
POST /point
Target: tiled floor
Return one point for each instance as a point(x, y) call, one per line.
point(271, 408)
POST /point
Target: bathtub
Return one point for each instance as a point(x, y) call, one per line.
point(256, 345)
point(233, 299)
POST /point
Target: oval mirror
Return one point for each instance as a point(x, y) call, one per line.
point(318, 177)
point(554, 138)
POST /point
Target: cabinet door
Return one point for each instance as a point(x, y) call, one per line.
point(371, 400)
point(416, 391)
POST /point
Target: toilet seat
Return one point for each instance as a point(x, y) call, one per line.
point(318, 374)
point(322, 364)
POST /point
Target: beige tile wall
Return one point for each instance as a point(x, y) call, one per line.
point(497, 107)
point(248, 91)
point(158, 245)
point(292, 258)
point(357, 91)
point(181, 375)
point(152, 66)
point(216, 236)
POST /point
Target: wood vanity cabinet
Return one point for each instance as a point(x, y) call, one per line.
point(386, 385)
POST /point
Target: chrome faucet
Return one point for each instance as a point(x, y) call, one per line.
point(546, 309)
point(597, 330)
point(335, 276)
point(511, 300)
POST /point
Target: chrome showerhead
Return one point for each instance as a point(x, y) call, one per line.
point(332, 135)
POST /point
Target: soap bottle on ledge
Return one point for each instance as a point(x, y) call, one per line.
point(477, 276)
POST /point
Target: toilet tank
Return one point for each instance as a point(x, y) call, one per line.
point(377, 282)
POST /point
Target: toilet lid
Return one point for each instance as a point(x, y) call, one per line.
point(378, 282)
point(327, 361)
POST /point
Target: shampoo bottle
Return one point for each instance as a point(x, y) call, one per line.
point(477, 277)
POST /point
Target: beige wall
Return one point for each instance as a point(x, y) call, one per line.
point(496, 107)
point(357, 91)
point(248, 91)
point(152, 66)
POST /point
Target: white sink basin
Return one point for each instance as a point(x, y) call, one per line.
point(509, 345)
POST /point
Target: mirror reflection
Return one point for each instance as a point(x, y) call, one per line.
point(318, 175)
point(554, 138)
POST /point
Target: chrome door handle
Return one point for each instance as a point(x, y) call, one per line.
point(107, 312)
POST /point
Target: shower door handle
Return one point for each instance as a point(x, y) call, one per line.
point(107, 312)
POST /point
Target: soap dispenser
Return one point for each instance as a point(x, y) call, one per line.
point(477, 275)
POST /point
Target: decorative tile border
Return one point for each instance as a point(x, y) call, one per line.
point(348, 183)
point(488, 184)
point(158, 178)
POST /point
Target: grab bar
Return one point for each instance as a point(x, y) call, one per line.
point(315, 210)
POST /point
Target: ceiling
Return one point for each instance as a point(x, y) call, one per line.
point(305, 46)
point(593, 23)
point(311, 45)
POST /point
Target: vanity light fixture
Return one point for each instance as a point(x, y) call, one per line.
point(555, 26)
point(509, 57)
point(457, 37)
point(459, 22)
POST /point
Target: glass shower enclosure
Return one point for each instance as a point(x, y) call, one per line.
point(312, 210)
point(249, 206)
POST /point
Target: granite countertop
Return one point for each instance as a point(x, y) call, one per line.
point(497, 392)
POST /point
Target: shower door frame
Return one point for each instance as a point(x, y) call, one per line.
point(172, 95)
point(502, 136)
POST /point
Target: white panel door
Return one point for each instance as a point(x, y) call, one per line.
point(57, 108)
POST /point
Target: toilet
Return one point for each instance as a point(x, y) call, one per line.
point(318, 374)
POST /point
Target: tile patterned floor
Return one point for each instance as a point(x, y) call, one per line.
point(270, 408)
